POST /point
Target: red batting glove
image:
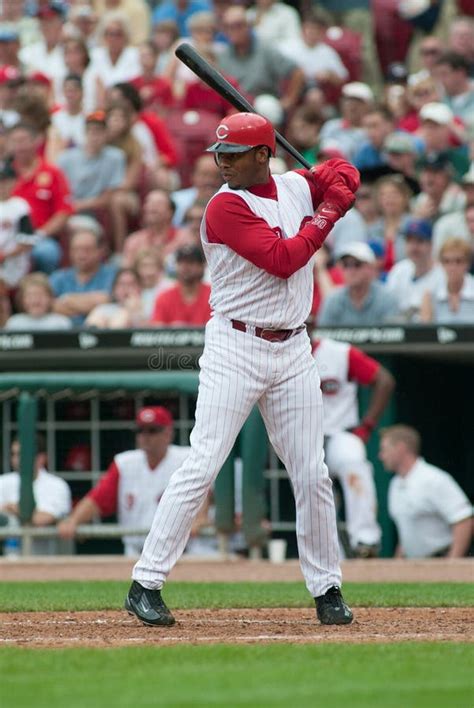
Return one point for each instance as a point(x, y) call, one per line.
point(364, 430)
point(348, 173)
point(340, 197)
point(324, 177)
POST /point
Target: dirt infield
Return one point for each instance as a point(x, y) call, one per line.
point(235, 570)
point(110, 629)
point(203, 626)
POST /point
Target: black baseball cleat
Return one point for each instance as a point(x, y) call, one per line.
point(331, 608)
point(148, 606)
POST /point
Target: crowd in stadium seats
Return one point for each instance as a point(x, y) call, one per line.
point(104, 177)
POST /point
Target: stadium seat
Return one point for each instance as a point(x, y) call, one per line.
point(348, 44)
point(193, 131)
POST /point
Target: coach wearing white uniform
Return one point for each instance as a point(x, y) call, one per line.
point(135, 481)
point(259, 235)
point(432, 514)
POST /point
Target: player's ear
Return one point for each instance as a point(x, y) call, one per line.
point(263, 154)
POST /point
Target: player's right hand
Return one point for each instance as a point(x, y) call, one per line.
point(340, 197)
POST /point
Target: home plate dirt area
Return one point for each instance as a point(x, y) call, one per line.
point(243, 626)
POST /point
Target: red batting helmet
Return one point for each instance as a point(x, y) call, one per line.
point(241, 132)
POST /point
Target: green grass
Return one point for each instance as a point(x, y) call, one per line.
point(97, 595)
point(331, 676)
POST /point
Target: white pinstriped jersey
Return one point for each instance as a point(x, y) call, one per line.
point(339, 394)
point(140, 489)
point(241, 290)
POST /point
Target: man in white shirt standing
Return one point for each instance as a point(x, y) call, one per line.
point(411, 277)
point(432, 514)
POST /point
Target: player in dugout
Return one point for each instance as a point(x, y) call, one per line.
point(135, 481)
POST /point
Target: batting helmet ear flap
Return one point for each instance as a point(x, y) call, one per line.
point(243, 131)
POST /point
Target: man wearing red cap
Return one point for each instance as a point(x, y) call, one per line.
point(259, 235)
point(135, 481)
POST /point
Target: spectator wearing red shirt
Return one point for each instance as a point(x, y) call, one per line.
point(187, 302)
point(46, 189)
point(155, 91)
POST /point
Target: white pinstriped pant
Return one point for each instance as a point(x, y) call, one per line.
point(239, 370)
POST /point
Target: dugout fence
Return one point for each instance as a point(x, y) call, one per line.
point(83, 388)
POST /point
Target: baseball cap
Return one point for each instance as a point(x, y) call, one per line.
point(8, 32)
point(437, 162)
point(359, 250)
point(437, 113)
point(9, 74)
point(421, 228)
point(77, 222)
point(96, 117)
point(357, 89)
point(399, 143)
point(39, 78)
point(190, 253)
point(54, 8)
point(153, 417)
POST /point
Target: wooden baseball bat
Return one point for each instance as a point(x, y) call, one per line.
point(209, 74)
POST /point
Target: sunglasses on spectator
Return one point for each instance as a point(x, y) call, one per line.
point(430, 50)
point(149, 430)
point(113, 33)
point(349, 263)
point(363, 195)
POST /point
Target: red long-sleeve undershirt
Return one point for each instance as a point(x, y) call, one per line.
point(230, 221)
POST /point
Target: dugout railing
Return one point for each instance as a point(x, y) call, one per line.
point(433, 367)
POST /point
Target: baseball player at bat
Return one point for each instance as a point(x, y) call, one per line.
point(259, 234)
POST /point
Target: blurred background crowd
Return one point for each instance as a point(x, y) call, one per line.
point(104, 177)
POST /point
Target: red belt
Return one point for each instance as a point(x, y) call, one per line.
point(270, 335)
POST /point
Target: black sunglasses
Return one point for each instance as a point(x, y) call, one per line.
point(149, 430)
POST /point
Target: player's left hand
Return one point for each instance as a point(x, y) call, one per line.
point(347, 172)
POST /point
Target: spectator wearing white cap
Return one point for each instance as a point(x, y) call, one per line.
point(356, 100)
point(363, 301)
point(320, 63)
point(459, 222)
point(439, 132)
point(411, 277)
